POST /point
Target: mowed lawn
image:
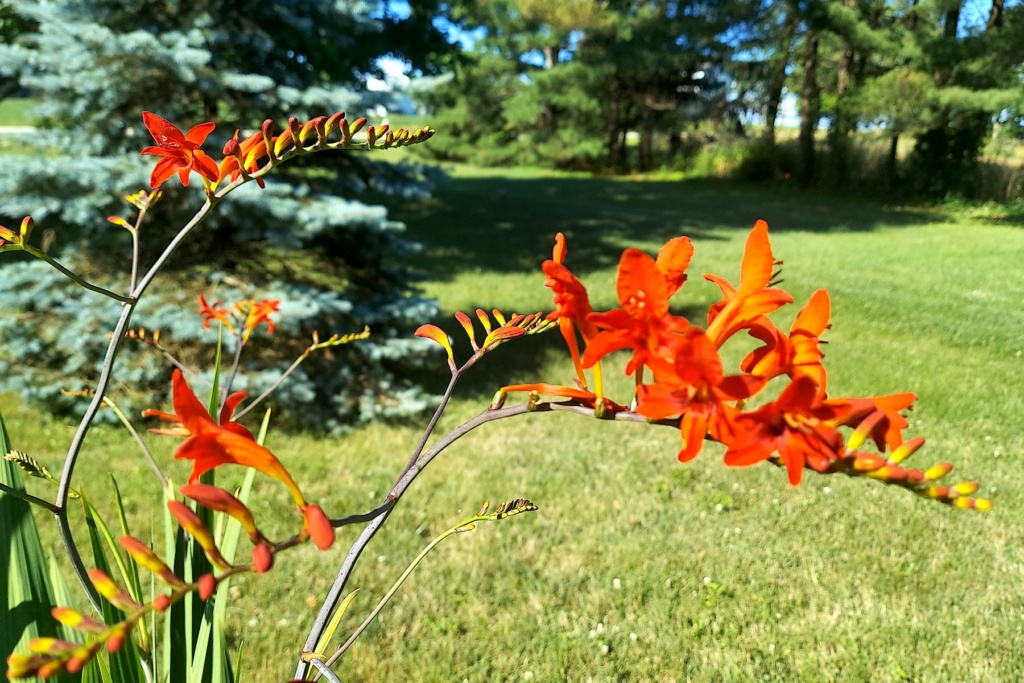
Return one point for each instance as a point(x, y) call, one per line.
point(637, 567)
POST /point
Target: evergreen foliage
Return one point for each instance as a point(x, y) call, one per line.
point(96, 66)
point(561, 83)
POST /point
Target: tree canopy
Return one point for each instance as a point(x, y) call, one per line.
point(564, 83)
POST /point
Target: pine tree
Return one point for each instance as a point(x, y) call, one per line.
point(335, 263)
point(566, 80)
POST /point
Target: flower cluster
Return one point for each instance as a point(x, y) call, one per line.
point(209, 444)
point(687, 383)
point(181, 153)
point(242, 318)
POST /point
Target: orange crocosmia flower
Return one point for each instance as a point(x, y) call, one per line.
point(643, 323)
point(213, 312)
point(798, 352)
point(247, 154)
point(879, 417)
point(745, 306)
point(572, 305)
point(210, 444)
point(798, 425)
point(698, 392)
point(257, 313)
point(179, 152)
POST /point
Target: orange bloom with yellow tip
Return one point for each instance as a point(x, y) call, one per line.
point(210, 444)
point(248, 314)
point(798, 425)
point(745, 306)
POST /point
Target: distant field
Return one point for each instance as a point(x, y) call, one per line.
point(14, 111)
point(638, 568)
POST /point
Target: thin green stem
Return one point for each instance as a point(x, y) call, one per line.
point(138, 440)
point(88, 285)
point(461, 527)
point(29, 498)
point(256, 401)
point(75, 448)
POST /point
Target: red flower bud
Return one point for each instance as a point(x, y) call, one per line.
point(207, 586)
point(262, 558)
point(115, 642)
point(318, 526)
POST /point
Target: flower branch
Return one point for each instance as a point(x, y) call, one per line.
point(503, 511)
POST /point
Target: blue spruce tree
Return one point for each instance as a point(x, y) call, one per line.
point(335, 263)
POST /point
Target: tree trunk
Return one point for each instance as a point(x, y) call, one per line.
point(995, 15)
point(551, 56)
point(777, 73)
point(808, 107)
point(646, 139)
point(892, 160)
point(616, 150)
point(951, 22)
point(839, 131)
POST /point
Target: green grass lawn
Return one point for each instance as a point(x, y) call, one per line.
point(14, 111)
point(636, 567)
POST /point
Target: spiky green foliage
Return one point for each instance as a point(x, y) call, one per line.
point(26, 595)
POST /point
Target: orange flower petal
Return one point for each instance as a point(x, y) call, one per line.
point(436, 334)
point(758, 260)
point(190, 411)
point(641, 287)
point(224, 447)
point(673, 260)
point(197, 134)
point(163, 131)
point(560, 250)
point(813, 317)
point(216, 498)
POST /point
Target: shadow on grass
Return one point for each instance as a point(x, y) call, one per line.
point(507, 224)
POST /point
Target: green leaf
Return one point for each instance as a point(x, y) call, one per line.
point(134, 584)
point(96, 671)
point(214, 402)
point(173, 664)
point(62, 597)
point(26, 596)
point(114, 548)
point(332, 627)
point(126, 663)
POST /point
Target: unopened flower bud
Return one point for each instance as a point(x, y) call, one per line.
point(207, 586)
point(262, 558)
point(318, 527)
